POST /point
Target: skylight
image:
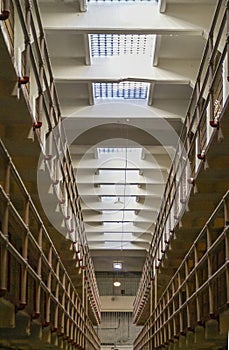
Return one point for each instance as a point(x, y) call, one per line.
point(123, 90)
point(103, 45)
point(107, 150)
point(110, 45)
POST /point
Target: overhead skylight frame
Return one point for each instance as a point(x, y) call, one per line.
point(108, 150)
point(130, 45)
point(124, 90)
point(108, 45)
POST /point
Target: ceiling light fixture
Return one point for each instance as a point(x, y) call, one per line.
point(117, 284)
point(117, 265)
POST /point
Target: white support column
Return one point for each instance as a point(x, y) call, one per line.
point(225, 81)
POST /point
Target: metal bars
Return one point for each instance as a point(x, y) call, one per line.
point(53, 299)
point(198, 296)
point(46, 124)
point(191, 151)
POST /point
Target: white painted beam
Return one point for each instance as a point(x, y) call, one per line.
point(151, 162)
point(139, 180)
point(118, 115)
point(114, 227)
point(131, 204)
point(117, 237)
point(117, 246)
point(110, 18)
point(118, 217)
point(157, 151)
point(151, 190)
point(119, 69)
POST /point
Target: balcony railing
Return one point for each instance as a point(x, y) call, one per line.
point(202, 121)
point(36, 84)
point(32, 276)
point(198, 291)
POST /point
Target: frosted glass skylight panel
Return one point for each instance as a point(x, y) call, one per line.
point(108, 150)
point(123, 90)
point(103, 45)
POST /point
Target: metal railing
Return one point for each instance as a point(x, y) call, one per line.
point(32, 276)
point(203, 117)
point(198, 291)
point(36, 81)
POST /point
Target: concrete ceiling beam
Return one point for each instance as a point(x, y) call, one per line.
point(127, 19)
point(69, 70)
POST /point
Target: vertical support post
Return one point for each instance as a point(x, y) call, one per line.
point(211, 68)
point(199, 146)
point(51, 107)
point(39, 269)
point(187, 295)
point(83, 287)
point(41, 76)
point(63, 304)
point(180, 303)
point(85, 305)
point(50, 152)
point(25, 78)
point(5, 5)
point(27, 47)
point(169, 333)
point(155, 289)
point(151, 296)
point(198, 100)
point(210, 291)
point(67, 328)
point(24, 268)
point(5, 229)
point(161, 322)
point(197, 285)
point(7, 178)
point(174, 329)
point(75, 325)
point(188, 133)
point(49, 284)
point(57, 295)
point(72, 317)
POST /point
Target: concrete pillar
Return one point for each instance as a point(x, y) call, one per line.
point(190, 338)
point(224, 322)
point(199, 334)
point(22, 323)
point(182, 342)
point(54, 339)
point(35, 331)
point(46, 335)
point(211, 330)
point(7, 314)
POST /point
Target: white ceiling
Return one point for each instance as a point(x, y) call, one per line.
point(138, 137)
